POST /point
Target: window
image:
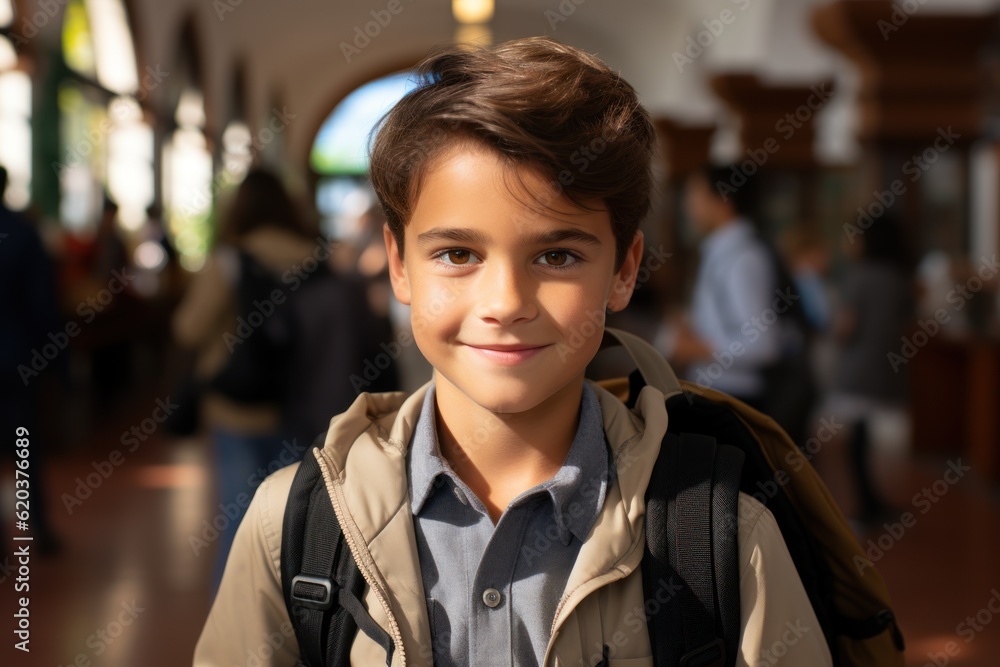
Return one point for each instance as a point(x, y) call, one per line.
point(130, 162)
point(6, 13)
point(341, 144)
point(15, 120)
point(106, 141)
point(97, 43)
point(340, 153)
point(187, 182)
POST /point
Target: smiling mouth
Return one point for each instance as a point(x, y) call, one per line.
point(508, 348)
point(507, 354)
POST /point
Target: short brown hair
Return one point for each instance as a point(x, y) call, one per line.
point(536, 103)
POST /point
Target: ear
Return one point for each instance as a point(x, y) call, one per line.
point(397, 271)
point(624, 280)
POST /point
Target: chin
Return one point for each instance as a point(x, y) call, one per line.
point(505, 395)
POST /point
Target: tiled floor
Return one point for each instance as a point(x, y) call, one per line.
point(128, 590)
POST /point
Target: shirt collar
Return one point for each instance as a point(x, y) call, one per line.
point(577, 490)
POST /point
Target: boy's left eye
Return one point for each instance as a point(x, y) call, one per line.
point(558, 258)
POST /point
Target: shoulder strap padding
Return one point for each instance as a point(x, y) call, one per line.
point(690, 567)
point(655, 370)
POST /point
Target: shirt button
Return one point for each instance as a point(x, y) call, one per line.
point(491, 597)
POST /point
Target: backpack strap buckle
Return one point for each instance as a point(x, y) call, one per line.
point(312, 592)
point(709, 655)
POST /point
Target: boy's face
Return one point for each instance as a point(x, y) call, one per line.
point(507, 299)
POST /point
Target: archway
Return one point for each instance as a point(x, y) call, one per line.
point(339, 154)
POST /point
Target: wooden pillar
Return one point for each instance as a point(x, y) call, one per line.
point(777, 136)
point(920, 102)
point(776, 121)
point(919, 72)
point(684, 148)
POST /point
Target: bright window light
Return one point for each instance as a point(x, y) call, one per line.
point(236, 152)
point(187, 189)
point(190, 109)
point(83, 134)
point(113, 49)
point(341, 144)
point(130, 162)
point(77, 42)
point(6, 13)
point(97, 43)
point(8, 55)
point(15, 136)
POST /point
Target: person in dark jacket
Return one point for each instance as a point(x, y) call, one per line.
point(32, 342)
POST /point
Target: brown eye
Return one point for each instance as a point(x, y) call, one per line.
point(458, 256)
point(555, 258)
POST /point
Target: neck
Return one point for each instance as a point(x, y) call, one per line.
point(501, 455)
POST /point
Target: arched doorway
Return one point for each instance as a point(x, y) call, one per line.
point(339, 154)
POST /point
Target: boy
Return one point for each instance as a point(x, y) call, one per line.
point(497, 512)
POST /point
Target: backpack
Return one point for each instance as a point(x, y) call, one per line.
point(259, 348)
point(339, 350)
point(715, 447)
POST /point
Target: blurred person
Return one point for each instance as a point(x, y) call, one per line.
point(807, 255)
point(30, 321)
point(877, 304)
point(155, 231)
point(110, 250)
point(113, 322)
point(746, 335)
point(336, 357)
point(262, 238)
point(363, 258)
point(735, 283)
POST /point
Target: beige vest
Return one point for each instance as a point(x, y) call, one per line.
point(364, 466)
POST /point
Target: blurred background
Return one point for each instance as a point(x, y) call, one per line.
point(186, 203)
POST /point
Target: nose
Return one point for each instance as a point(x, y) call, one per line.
point(506, 294)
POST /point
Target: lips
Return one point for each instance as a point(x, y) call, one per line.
point(515, 347)
point(507, 354)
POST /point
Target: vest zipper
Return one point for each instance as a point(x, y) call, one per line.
point(362, 563)
point(580, 593)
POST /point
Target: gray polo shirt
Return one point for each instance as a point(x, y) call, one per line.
point(492, 591)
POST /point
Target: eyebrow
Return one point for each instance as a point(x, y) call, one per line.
point(474, 236)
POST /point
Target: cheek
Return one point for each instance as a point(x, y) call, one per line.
point(582, 303)
point(434, 303)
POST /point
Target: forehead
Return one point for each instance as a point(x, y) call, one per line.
point(468, 182)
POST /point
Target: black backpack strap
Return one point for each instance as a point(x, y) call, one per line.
point(725, 544)
point(321, 582)
point(691, 540)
